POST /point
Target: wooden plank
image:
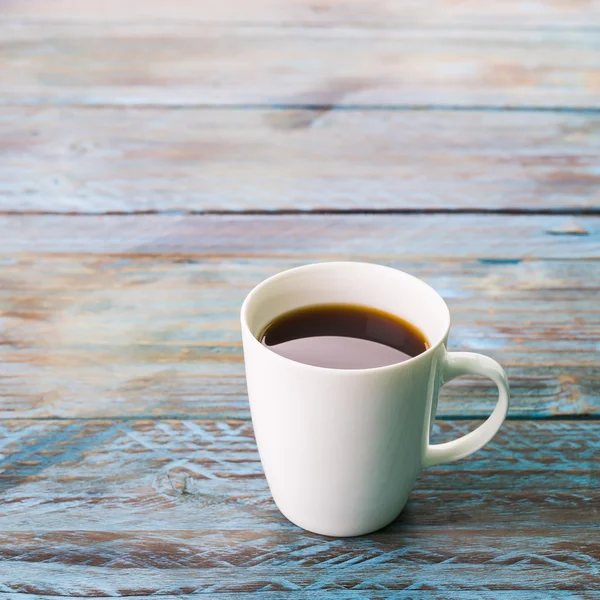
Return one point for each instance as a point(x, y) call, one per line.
point(386, 13)
point(154, 336)
point(133, 507)
point(163, 63)
point(67, 317)
point(354, 594)
point(233, 580)
point(305, 238)
point(184, 389)
point(91, 160)
point(347, 594)
point(207, 475)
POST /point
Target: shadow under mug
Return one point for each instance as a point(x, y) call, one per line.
point(341, 449)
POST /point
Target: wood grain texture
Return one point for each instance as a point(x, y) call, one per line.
point(354, 594)
point(163, 63)
point(493, 239)
point(386, 13)
point(347, 594)
point(94, 161)
point(487, 576)
point(305, 594)
point(134, 318)
point(150, 328)
point(138, 507)
point(159, 336)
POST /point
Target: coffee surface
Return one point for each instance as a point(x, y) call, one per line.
point(343, 336)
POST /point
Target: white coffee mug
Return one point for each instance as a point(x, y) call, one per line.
point(341, 449)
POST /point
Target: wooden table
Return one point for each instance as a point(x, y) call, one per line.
point(158, 159)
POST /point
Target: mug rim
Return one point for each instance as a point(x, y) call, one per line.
point(287, 272)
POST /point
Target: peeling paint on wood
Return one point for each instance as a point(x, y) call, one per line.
point(570, 227)
point(200, 475)
point(540, 574)
point(116, 521)
point(416, 576)
point(408, 594)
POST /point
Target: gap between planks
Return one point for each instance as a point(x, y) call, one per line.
point(217, 419)
point(590, 211)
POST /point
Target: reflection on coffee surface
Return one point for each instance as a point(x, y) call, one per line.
point(343, 336)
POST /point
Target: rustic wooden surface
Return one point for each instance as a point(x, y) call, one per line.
point(459, 141)
point(543, 14)
point(164, 63)
point(158, 507)
point(79, 159)
point(75, 301)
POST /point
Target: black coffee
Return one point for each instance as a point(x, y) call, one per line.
point(343, 336)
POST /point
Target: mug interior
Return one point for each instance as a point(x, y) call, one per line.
point(367, 284)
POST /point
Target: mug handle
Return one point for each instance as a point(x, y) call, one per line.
point(463, 363)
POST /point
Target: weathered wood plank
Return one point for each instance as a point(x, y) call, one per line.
point(177, 475)
point(492, 238)
point(176, 466)
point(162, 63)
point(156, 336)
point(154, 332)
point(232, 580)
point(92, 160)
point(354, 594)
point(218, 390)
point(184, 389)
point(104, 507)
point(496, 13)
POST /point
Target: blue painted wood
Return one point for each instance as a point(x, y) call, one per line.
point(181, 507)
point(386, 238)
point(319, 158)
point(79, 325)
point(486, 577)
point(116, 317)
point(305, 594)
